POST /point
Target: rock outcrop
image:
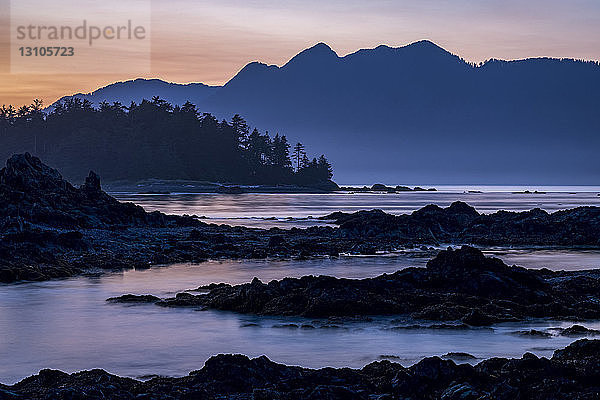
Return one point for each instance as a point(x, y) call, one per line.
point(572, 373)
point(460, 284)
point(31, 193)
point(461, 223)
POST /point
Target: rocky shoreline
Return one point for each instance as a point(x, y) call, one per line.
point(51, 229)
point(457, 285)
point(571, 373)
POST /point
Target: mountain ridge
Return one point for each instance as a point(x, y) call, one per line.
point(420, 113)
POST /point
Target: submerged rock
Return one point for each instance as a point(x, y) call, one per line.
point(534, 333)
point(459, 356)
point(133, 298)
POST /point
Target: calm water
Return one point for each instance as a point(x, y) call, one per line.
point(287, 210)
point(68, 325)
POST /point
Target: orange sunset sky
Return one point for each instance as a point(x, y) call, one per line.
point(209, 41)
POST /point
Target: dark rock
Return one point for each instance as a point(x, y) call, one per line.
point(578, 330)
point(460, 223)
point(459, 356)
point(37, 193)
point(92, 183)
point(582, 354)
point(182, 300)
point(276, 241)
point(379, 187)
point(460, 391)
point(211, 287)
point(477, 318)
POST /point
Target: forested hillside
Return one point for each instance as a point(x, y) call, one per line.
point(155, 139)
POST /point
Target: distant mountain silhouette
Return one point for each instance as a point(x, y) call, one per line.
point(139, 89)
point(419, 114)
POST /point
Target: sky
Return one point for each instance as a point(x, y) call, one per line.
point(210, 41)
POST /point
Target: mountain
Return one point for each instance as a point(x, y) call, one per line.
point(139, 89)
point(419, 114)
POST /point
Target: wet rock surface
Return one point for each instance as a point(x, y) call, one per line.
point(572, 373)
point(457, 285)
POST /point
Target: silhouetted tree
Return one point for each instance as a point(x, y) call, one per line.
point(299, 155)
point(153, 139)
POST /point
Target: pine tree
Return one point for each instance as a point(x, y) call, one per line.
point(280, 153)
point(325, 168)
point(299, 155)
point(241, 129)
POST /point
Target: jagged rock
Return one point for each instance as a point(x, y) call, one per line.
point(276, 241)
point(37, 193)
point(92, 183)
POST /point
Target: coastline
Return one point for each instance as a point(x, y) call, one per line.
point(53, 229)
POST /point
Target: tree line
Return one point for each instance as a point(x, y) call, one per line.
point(155, 139)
